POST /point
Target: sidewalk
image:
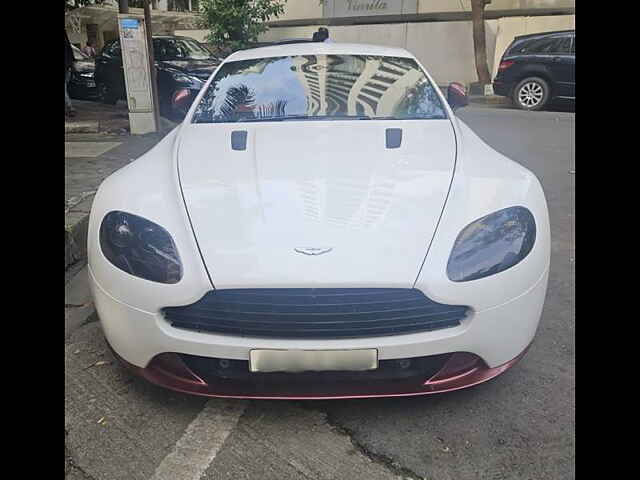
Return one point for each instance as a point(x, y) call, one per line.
point(96, 117)
point(493, 101)
point(89, 159)
point(488, 101)
point(97, 143)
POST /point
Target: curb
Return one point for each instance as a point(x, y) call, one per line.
point(77, 217)
point(489, 99)
point(75, 242)
point(81, 127)
point(79, 307)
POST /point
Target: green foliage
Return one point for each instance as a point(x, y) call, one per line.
point(73, 4)
point(234, 24)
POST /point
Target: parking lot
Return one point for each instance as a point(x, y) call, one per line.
point(517, 426)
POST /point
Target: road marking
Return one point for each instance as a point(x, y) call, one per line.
point(201, 441)
point(87, 149)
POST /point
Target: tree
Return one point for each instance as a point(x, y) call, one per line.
point(73, 4)
point(479, 40)
point(233, 24)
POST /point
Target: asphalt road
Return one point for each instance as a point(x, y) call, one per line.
point(517, 426)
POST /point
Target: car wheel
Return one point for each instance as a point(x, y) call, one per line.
point(106, 94)
point(532, 93)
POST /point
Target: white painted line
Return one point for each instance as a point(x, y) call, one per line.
point(201, 441)
point(87, 149)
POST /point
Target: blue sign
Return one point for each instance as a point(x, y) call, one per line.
point(129, 23)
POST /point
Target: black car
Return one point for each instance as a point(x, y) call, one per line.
point(183, 65)
point(538, 68)
point(82, 84)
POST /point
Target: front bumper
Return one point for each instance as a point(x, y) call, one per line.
point(461, 370)
point(82, 89)
point(483, 346)
point(501, 88)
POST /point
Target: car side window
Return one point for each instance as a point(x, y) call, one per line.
point(564, 45)
point(545, 46)
point(114, 49)
point(556, 44)
point(159, 50)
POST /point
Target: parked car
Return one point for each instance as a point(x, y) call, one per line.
point(82, 84)
point(537, 69)
point(320, 225)
point(183, 66)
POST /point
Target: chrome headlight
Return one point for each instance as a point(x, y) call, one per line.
point(140, 247)
point(492, 244)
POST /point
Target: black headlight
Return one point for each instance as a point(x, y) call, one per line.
point(492, 244)
point(140, 247)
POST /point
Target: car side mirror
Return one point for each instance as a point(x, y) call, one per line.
point(457, 96)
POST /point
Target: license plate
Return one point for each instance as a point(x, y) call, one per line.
point(91, 84)
point(312, 360)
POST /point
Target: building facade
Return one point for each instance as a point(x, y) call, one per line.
point(98, 23)
point(438, 32)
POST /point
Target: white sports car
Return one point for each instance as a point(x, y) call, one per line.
point(321, 225)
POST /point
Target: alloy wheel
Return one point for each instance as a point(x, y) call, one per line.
point(530, 94)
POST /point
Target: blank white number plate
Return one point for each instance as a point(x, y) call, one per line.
point(312, 360)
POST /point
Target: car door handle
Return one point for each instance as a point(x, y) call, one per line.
point(556, 59)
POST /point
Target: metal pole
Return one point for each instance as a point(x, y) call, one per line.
point(123, 6)
point(152, 65)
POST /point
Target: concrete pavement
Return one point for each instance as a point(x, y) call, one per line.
point(89, 159)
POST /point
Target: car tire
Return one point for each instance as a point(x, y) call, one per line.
point(106, 94)
point(531, 93)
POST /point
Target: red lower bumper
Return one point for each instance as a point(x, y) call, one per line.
point(461, 370)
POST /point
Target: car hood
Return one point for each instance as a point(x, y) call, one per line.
point(199, 68)
point(315, 203)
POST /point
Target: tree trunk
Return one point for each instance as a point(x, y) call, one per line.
point(123, 6)
point(479, 41)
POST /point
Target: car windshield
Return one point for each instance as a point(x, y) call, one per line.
point(181, 49)
point(319, 87)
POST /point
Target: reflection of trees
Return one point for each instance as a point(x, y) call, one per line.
point(207, 109)
point(273, 109)
point(421, 100)
point(239, 102)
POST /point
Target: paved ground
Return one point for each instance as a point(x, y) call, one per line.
point(518, 426)
point(89, 159)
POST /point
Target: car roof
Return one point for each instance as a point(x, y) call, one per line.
point(318, 48)
point(542, 34)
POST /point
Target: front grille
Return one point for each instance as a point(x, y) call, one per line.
point(315, 313)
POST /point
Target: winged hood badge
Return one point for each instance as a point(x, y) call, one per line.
point(313, 250)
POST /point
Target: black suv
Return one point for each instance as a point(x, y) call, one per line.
point(183, 65)
point(538, 68)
